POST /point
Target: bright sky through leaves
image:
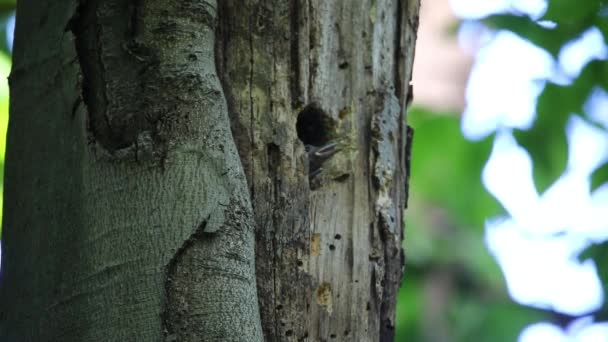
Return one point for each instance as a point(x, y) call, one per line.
point(537, 244)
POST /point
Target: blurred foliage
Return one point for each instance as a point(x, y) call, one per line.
point(558, 102)
point(453, 290)
point(446, 170)
point(8, 5)
point(599, 253)
point(5, 67)
point(599, 177)
point(5, 19)
point(546, 141)
point(7, 12)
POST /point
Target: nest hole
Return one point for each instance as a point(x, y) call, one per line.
point(314, 126)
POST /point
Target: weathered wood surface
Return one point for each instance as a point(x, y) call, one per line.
point(328, 261)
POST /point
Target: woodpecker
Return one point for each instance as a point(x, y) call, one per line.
point(317, 155)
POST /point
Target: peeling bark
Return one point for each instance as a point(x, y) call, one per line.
point(328, 249)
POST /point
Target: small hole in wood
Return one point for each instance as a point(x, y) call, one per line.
point(314, 126)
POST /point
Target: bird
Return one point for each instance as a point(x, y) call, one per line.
point(317, 155)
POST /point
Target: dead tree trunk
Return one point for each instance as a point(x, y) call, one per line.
point(132, 213)
point(328, 247)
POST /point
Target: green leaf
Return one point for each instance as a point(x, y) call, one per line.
point(571, 12)
point(550, 39)
point(599, 177)
point(5, 66)
point(571, 98)
point(547, 145)
point(601, 22)
point(599, 254)
point(546, 140)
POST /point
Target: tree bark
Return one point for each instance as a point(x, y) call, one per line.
point(131, 212)
point(329, 260)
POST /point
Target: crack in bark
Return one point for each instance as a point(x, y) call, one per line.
point(251, 105)
point(84, 25)
point(294, 80)
point(398, 51)
point(108, 48)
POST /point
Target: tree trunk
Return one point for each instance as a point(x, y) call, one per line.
point(131, 213)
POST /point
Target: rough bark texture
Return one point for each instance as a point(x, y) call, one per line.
point(328, 249)
point(129, 215)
